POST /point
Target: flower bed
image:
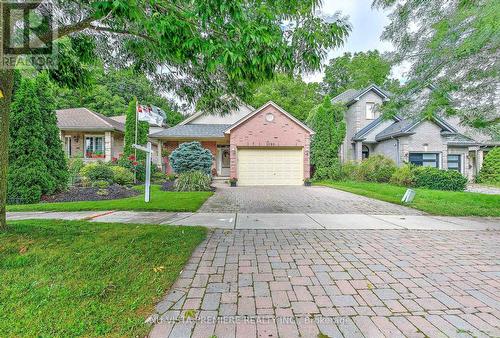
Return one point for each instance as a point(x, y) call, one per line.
point(74, 194)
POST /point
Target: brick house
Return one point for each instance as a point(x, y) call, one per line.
point(439, 143)
point(264, 146)
point(89, 135)
point(92, 136)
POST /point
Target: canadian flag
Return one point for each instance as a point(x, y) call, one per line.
point(151, 114)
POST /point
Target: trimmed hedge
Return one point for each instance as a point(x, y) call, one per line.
point(433, 178)
point(490, 172)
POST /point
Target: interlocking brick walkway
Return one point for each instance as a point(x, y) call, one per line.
point(297, 199)
point(393, 283)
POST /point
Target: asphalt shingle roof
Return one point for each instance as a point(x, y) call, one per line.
point(351, 94)
point(346, 96)
point(397, 128)
point(458, 139)
point(84, 119)
point(359, 135)
point(193, 130)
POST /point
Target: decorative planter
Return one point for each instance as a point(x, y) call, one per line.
point(307, 183)
point(232, 183)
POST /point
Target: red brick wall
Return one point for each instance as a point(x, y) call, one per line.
point(172, 145)
point(258, 132)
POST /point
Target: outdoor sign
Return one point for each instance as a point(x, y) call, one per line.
point(147, 184)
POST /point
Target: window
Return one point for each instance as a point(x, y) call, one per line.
point(370, 110)
point(454, 162)
point(67, 145)
point(425, 159)
point(365, 152)
point(94, 147)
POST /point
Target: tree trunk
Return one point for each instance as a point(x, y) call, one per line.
point(6, 86)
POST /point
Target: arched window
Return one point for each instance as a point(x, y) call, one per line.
point(365, 152)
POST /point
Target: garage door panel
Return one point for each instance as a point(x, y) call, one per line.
point(270, 166)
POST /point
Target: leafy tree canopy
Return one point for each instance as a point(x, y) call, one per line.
point(454, 46)
point(293, 94)
point(356, 71)
point(199, 49)
point(110, 91)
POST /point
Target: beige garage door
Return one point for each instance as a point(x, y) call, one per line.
point(259, 166)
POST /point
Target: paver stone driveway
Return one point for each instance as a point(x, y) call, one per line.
point(342, 283)
point(297, 199)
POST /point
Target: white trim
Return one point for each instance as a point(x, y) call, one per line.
point(375, 88)
point(255, 112)
point(103, 136)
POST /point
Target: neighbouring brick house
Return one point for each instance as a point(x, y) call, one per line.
point(92, 136)
point(89, 135)
point(264, 146)
point(439, 143)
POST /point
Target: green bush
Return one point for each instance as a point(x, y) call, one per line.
point(121, 175)
point(191, 156)
point(171, 177)
point(74, 167)
point(134, 166)
point(332, 172)
point(158, 177)
point(377, 168)
point(490, 172)
point(350, 171)
point(193, 181)
point(433, 178)
point(403, 176)
point(101, 184)
point(97, 171)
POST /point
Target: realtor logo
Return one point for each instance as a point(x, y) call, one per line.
point(27, 32)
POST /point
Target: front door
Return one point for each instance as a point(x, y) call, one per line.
point(224, 161)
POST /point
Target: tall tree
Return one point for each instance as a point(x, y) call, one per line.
point(293, 94)
point(454, 46)
point(327, 120)
point(55, 159)
point(200, 49)
point(130, 128)
point(28, 176)
point(355, 71)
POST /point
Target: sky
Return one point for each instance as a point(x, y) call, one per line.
point(367, 26)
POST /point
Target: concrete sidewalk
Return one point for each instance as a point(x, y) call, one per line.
point(274, 221)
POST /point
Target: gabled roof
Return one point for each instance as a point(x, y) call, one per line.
point(193, 131)
point(458, 139)
point(352, 95)
point(86, 120)
point(359, 136)
point(193, 117)
point(269, 103)
point(406, 126)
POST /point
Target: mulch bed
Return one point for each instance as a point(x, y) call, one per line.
point(75, 194)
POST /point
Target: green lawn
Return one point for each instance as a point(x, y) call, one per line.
point(160, 201)
point(74, 278)
point(436, 202)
